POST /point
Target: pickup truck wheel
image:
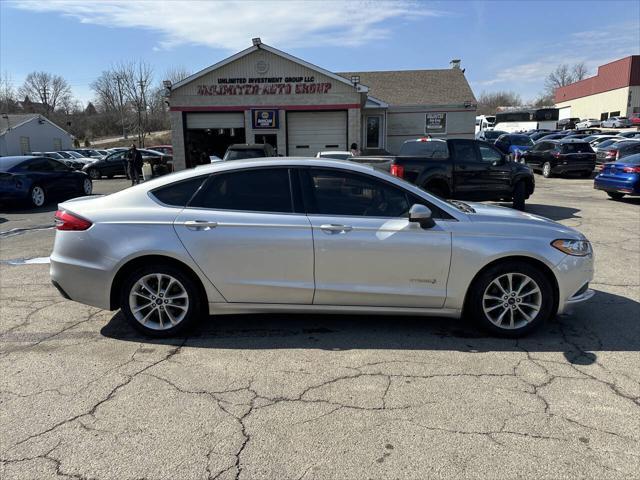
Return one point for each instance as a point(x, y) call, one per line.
point(519, 192)
point(511, 299)
point(546, 170)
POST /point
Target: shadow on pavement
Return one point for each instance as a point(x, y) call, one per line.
point(609, 324)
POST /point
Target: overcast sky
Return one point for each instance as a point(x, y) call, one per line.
point(503, 45)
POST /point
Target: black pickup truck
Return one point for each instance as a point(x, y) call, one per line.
point(459, 168)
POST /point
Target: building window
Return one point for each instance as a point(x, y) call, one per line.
point(57, 144)
point(374, 123)
point(614, 114)
point(25, 145)
point(604, 116)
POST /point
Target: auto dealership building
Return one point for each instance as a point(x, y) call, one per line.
point(613, 91)
point(263, 95)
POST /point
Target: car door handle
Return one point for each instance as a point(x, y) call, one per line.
point(200, 224)
point(334, 228)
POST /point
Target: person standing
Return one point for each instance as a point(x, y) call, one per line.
point(355, 151)
point(134, 164)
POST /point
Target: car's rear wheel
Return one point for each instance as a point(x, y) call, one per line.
point(615, 195)
point(519, 194)
point(38, 196)
point(160, 301)
point(546, 170)
point(511, 299)
point(94, 173)
point(87, 186)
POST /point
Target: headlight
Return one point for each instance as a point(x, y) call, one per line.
point(578, 248)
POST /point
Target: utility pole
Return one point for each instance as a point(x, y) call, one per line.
point(146, 118)
point(124, 133)
point(46, 104)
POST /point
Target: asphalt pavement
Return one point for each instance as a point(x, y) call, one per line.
point(323, 397)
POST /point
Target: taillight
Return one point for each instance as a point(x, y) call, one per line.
point(631, 169)
point(611, 153)
point(397, 170)
point(68, 221)
point(555, 154)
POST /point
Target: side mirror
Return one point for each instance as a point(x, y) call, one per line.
point(421, 215)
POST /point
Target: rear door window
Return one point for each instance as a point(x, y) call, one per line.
point(255, 190)
point(178, 194)
point(465, 151)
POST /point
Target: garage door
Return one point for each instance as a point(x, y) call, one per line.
point(215, 120)
point(312, 132)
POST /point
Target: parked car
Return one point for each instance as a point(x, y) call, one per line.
point(588, 122)
point(633, 134)
point(597, 138)
point(74, 159)
point(553, 136)
point(36, 180)
point(577, 135)
point(559, 157)
point(616, 151)
point(634, 118)
point(604, 143)
point(620, 178)
point(89, 152)
point(616, 122)
point(540, 134)
point(489, 135)
point(588, 131)
point(164, 149)
point(567, 123)
point(335, 154)
point(458, 168)
point(312, 236)
point(240, 151)
point(513, 144)
point(115, 164)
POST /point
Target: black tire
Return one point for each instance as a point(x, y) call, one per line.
point(195, 301)
point(94, 174)
point(519, 194)
point(37, 196)
point(546, 170)
point(615, 195)
point(474, 308)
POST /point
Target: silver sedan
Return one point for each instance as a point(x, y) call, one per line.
point(304, 235)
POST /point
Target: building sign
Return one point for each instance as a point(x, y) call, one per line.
point(264, 118)
point(436, 122)
point(265, 86)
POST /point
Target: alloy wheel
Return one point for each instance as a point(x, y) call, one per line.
point(87, 186)
point(37, 196)
point(159, 301)
point(94, 173)
point(512, 300)
point(546, 170)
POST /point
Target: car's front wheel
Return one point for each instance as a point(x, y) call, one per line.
point(87, 186)
point(38, 196)
point(511, 299)
point(94, 173)
point(160, 301)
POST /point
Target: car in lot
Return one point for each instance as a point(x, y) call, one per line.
point(559, 157)
point(620, 178)
point(458, 168)
point(616, 122)
point(513, 145)
point(598, 138)
point(633, 134)
point(489, 136)
point(89, 152)
point(588, 122)
point(634, 118)
point(312, 236)
point(164, 149)
point(115, 164)
point(335, 154)
point(567, 123)
point(552, 136)
point(540, 134)
point(37, 179)
point(616, 151)
point(241, 151)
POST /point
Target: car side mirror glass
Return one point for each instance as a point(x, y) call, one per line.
point(421, 215)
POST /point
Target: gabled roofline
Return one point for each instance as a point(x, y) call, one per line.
point(275, 51)
point(11, 127)
point(36, 116)
point(381, 103)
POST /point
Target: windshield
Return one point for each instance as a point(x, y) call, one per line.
point(75, 154)
point(521, 140)
point(632, 159)
point(244, 153)
point(64, 155)
point(55, 155)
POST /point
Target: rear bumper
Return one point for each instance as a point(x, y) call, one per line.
point(80, 282)
point(573, 167)
point(630, 187)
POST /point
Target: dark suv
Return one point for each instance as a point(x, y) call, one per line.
point(567, 123)
point(240, 151)
point(553, 157)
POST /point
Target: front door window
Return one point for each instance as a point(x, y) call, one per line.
point(374, 123)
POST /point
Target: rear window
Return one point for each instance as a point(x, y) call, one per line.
point(493, 134)
point(244, 153)
point(521, 140)
point(632, 159)
point(577, 148)
point(429, 149)
point(178, 194)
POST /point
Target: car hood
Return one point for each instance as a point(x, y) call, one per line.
point(507, 220)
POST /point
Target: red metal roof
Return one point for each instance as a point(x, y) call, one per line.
point(621, 73)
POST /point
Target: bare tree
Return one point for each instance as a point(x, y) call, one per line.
point(579, 72)
point(48, 89)
point(488, 102)
point(8, 98)
point(136, 78)
point(105, 88)
point(175, 74)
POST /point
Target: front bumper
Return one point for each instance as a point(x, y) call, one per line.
point(573, 275)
